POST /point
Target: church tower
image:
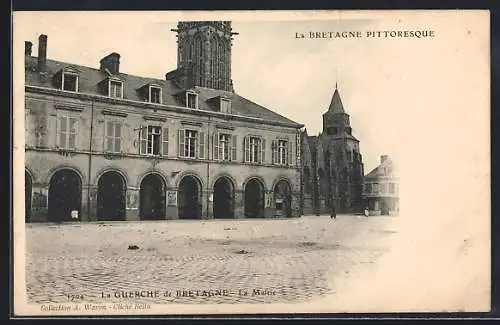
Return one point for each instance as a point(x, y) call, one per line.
point(342, 159)
point(204, 52)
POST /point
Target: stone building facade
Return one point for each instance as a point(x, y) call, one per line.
point(332, 165)
point(381, 188)
point(114, 146)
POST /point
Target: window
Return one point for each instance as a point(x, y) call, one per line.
point(112, 138)
point(154, 140)
point(155, 95)
point(225, 105)
point(392, 188)
point(383, 188)
point(191, 144)
point(224, 147)
point(375, 188)
point(191, 100)
point(254, 149)
point(66, 131)
point(280, 152)
point(70, 81)
point(115, 89)
point(368, 188)
point(349, 130)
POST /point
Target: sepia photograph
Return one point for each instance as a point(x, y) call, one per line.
point(251, 162)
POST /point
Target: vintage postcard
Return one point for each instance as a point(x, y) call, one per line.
point(251, 162)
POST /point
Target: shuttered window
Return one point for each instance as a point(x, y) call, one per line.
point(254, 149)
point(153, 140)
point(191, 144)
point(67, 128)
point(112, 137)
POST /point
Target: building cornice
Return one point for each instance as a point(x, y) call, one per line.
point(155, 107)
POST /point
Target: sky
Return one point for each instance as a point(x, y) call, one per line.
point(383, 83)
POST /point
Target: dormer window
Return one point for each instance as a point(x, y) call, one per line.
point(115, 88)
point(66, 79)
point(69, 81)
point(191, 100)
point(225, 105)
point(155, 94)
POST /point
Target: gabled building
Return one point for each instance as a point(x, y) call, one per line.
point(332, 165)
point(115, 146)
point(381, 188)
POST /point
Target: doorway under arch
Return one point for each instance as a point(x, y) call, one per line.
point(254, 199)
point(152, 198)
point(189, 198)
point(111, 189)
point(223, 203)
point(65, 195)
point(283, 198)
point(28, 188)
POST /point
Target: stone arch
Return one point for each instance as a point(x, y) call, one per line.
point(189, 198)
point(30, 173)
point(57, 168)
point(65, 194)
point(281, 178)
point(223, 197)
point(254, 190)
point(282, 196)
point(259, 178)
point(111, 195)
point(190, 173)
point(227, 175)
point(104, 170)
point(152, 196)
point(151, 171)
point(28, 194)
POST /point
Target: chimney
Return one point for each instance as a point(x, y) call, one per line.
point(42, 52)
point(111, 62)
point(384, 158)
point(27, 48)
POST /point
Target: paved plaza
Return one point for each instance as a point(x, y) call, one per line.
point(213, 261)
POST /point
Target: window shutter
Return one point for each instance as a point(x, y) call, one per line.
point(181, 143)
point(246, 149)
point(216, 146)
point(60, 135)
point(118, 137)
point(263, 150)
point(143, 139)
point(201, 147)
point(108, 136)
point(72, 130)
point(234, 146)
point(274, 149)
point(291, 155)
point(165, 142)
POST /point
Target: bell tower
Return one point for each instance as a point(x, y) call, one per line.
point(204, 49)
point(336, 120)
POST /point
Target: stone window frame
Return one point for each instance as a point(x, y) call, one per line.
point(192, 93)
point(152, 87)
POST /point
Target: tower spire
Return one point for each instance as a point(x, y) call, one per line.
point(336, 78)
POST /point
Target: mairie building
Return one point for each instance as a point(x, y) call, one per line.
point(102, 144)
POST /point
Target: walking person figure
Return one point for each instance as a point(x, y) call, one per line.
point(366, 212)
point(333, 214)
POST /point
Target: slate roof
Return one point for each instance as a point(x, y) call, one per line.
point(89, 78)
point(336, 103)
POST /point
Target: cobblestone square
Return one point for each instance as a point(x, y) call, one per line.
point(227, 261)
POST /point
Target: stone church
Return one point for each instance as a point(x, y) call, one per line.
point(332, 165)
